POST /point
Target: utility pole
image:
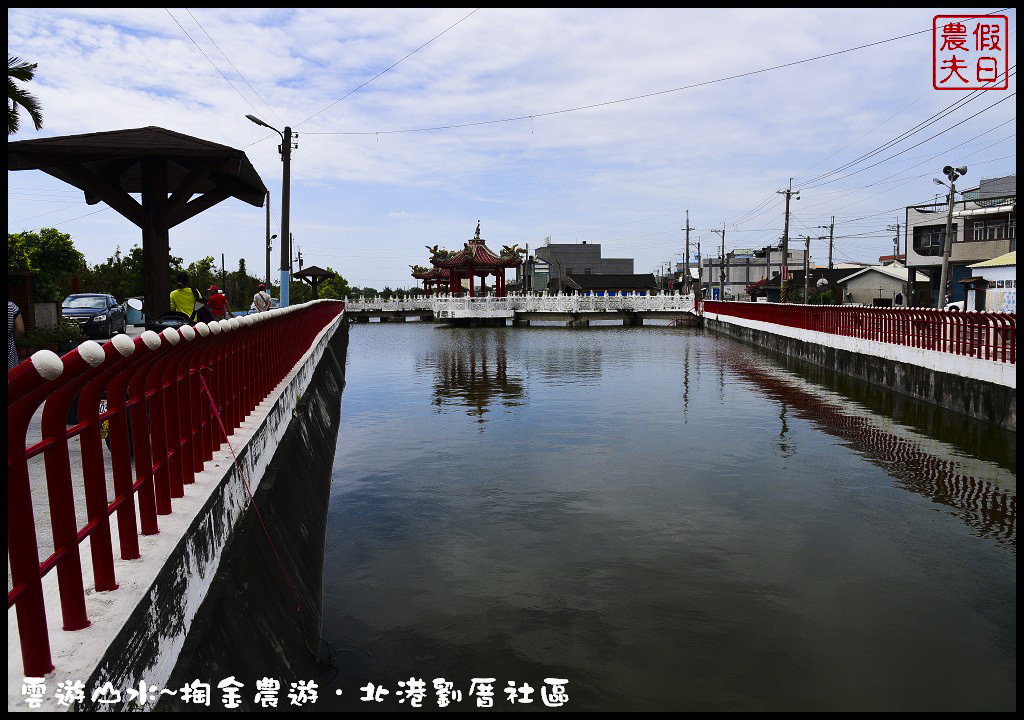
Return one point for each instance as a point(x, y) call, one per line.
point(286, 158)
point(807, 265)
point(896, 253)
point(286, 197)
point(721, 271)
point(784, 277)
point(830, 227)
point(700, 270)
point(686, 263)
point(896, 240)
point(951, 173)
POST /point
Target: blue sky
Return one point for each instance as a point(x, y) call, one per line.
point(597, 125)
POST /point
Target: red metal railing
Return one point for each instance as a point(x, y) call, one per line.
point(158, 413)
point(986, 335)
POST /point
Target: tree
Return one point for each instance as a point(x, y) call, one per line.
point(121, 275)
point(17, 96)
point(202, 273)
point(824, 297)
point(52, 257)
point(334, 288)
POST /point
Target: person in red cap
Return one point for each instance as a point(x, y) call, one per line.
point(261, 299)
point(218, 304)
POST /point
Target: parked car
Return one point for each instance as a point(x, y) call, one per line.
point(274, 303)
point(955, 306)
point(98, 315)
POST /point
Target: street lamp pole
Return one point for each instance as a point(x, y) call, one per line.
point(951, 173)
point(286, 159)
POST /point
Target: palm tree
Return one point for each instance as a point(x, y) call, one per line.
point(22, 71)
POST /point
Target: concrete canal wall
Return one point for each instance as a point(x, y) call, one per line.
point(261, 616)
point(210, 595)
point(980, 389)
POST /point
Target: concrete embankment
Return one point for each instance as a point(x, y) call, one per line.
point(261, 617)
point(980, 389)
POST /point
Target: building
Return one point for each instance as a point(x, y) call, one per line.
point(744, 267)
point(554, 261)
point(984, 227)
point(609, 284)
point(1001, 289)
point(821, 280)
point(883, 285)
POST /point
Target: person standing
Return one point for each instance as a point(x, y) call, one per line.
point(218, 304)
point(261, 299)
point(183, 298)
point(15, 331)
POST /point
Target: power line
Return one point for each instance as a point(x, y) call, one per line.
point(628, 99)
point(390, 67)
point(233, 66)
point(211, 61)
point(948, 110)
point(868, 167)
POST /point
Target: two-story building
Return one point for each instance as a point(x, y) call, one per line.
point(554, 261)
point(745, 266)
point(984, 227)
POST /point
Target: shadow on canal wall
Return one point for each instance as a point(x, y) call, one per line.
point(974, 398)
point(261, 617)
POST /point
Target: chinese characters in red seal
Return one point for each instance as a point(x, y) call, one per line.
point(970, 52)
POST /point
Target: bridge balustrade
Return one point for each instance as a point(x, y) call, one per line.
point(983, 335)
point(157, 393)
point(447, 306)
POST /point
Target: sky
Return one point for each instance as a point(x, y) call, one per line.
point(579, 125)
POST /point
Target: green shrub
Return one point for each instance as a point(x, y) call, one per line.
point(63, 332)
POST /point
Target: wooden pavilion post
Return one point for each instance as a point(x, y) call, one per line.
point(155, 236)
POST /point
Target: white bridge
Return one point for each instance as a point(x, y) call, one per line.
point(523, 308)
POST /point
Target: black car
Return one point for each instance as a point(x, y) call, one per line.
point(99, 315)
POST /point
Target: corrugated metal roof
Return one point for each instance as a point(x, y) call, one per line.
point(1009, 258)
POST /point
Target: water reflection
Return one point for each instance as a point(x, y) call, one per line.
point(981, 493)
point(471, 371)
point(570, 364)
point(970, 437)
point(760, 557)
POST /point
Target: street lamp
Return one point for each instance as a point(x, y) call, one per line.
point(270, 244)
point(952, 173)
point(286, 158)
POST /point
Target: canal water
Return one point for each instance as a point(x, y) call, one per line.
point(661, 519)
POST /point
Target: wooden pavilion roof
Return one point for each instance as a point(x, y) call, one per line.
point(177, 176)
point(312, 271)
point(475, 255)
point(115, 158)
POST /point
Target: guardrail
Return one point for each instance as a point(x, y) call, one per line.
point(157, 391)
point(984, 335)
point(666, 302)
